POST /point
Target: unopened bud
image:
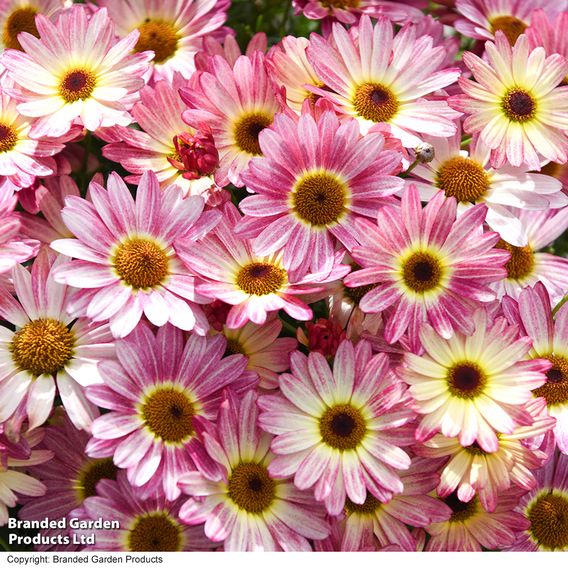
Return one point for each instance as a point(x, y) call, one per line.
point(196, 155)
point(424, 152)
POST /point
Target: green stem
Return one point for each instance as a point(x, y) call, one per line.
point(4, 545)
point(285, 18)
point(288, 327)
point(465, 141)
point(559, 305)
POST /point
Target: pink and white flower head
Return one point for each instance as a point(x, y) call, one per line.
point(469, 177)
point(549, 336)
point(162, 142)
point(236, 102)
point(471, 471)
point(428, 264)
point(173, 30)
point(48, 349)
point(515, 103)
point(70, 477)
point(473, 386)
point(544, 510)
point(255, 285)
point(126, 265)
point(388, 522)
point(15, 455)
point(249, 508)
point(155, 394)
point(267, 353)
point(339, 430)
point(13, 248)
point(18, 16)
point(377, 77)
point(527, 265)
point(146, 524)
point(229, 49)
point(548, 32)
point(316, 176)
point(75, 72)
point(482, 19)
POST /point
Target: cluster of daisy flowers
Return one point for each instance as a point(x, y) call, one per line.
point(297, 294)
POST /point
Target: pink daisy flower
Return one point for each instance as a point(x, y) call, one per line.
point(267, 353)
point(379, 78)
point(229, 49)
point(545, 510)
point(254, 285)
point(70, 477)
point(527, 266)
point(19, 455)
point(48, 349)
point(18, 16)
point(149, 524)
point(308, 194)
point(472, 471)
point(160, 386)
point(469, 177)
point(339, 430)
point(473, 386)
point(515, 103)
point(161, 143)
point(13, 248)
point(173, 30)
point(58, 90)
point(249, 508)
point(551, 34)
point(237, 102)
point(126, 263)
point(429, 265)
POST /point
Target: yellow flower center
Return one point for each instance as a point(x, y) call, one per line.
point(141, 263)
point(319, 198)
point(156, 532)
point(20, 20)
point(8, 137)
point(92, 473)
point(234, 347)
point(168, 413)
point(475, 450)
point(462, 178)
point(342, 427)
point(548, 515)
point(512, 27)
point(77, 85)
point(422, 272)
point(42, 346)
point(521, 263)
point(246, 131)
point(261, 278)
point(370, 505)
point(251, 488)
point(518, 105)
point(158, 36)
point(375, 102)
point(466, 380)
point(555, 390)
point(461, 511)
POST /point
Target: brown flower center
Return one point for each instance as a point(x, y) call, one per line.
point(466, 380)
point(20, 20)
point(512, 27)
point(555, 390)
point(42, 346)
point(261, 278)
point(319, 198)
point(251, 488)
point(234, 347)
point(462, 178)
point(168, 413)
point(141, 263)
point(521, 263)
point(342, 427)
point(518, 105)
point(375, 102)
point(422, 272)
point(370, 505)
point(475, 450)
point(246, 131)
point(156, 532)
point(340, 3)
point(461, 511)
point(77, 85)
point(94, 471)
point(8, 137)
point(157, 36)
point(548, 515)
